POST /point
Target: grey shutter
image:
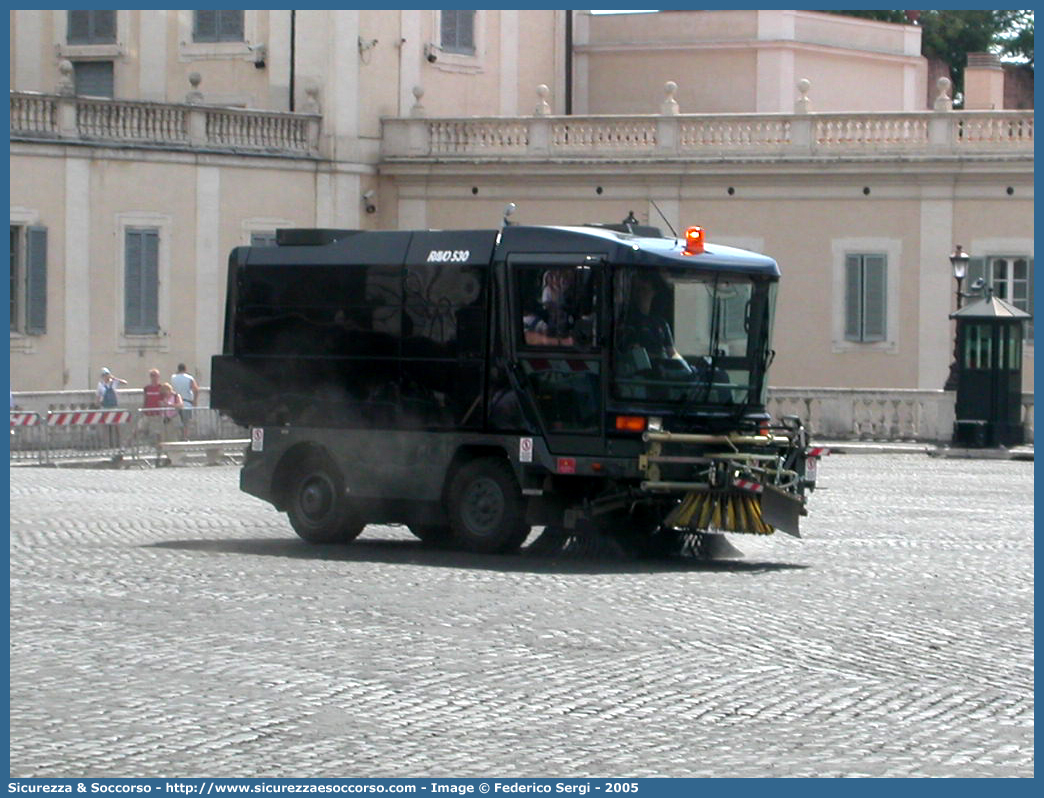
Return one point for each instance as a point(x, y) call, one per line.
point(79, 30)
point(976, 269)
point(103, 27)
point(230, 26)
point(91, 27)
point(853, 298)
point(205, 29)
point(150, 281)
point(466, 31)
point(1029, 298)
point(458, 31)
point(141, 281)
point(93, 78)
point(263, 239)
point(36, 281)
point(875, 298)
point(132, 282)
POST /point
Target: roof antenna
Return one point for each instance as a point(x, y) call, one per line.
point(669, 225)
point(630, 222)
point(510, 209)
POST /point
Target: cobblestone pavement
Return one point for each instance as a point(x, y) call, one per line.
point(164, 624)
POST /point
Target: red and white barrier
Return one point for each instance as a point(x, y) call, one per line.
point(24, 419)
point(76, 418)
point(749, 484)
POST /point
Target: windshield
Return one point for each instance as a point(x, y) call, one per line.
point(681, 337)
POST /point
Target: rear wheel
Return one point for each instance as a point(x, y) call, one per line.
point(319, 508)
point(486, 509)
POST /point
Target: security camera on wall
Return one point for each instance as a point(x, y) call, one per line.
point(431, 53)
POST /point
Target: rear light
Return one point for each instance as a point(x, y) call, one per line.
point(630, 423)
point(694, 238)
point(764, 428)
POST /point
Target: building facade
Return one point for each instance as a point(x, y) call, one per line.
point(145, 145)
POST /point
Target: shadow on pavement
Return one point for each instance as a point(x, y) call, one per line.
point(414, 552)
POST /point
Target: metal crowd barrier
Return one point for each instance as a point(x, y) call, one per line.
point(119, 434)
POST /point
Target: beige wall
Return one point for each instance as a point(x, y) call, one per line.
point(709, 81)
point(746, 62)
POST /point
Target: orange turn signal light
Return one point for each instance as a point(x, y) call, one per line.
point(630, 423)
point(694, 238)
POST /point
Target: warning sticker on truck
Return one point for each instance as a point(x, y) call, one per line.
point(525, 450)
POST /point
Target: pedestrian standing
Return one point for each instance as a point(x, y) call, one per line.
point(186, 386)
point(171, 404)
point(151, 413)
point(108, 398)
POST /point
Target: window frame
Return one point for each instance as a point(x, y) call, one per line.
point(218, 37)
point(94, 62)
point(988, 249)
point(864, 261)
point(989, 266)
point(460, 62)
point(242, 50)
point(23, 339)
point(153, 341)
point(891, 250)
point(91, 38)
point(455, 48)
point(542, 264)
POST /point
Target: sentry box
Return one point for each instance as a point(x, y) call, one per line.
point(604, 381)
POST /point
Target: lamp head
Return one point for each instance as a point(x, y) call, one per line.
point(959, 260)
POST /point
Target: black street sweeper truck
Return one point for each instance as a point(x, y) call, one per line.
point(604, 381)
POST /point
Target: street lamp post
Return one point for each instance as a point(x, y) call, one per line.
point(959, 262)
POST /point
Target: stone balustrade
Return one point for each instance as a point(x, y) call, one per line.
point(842, 414)
point(99, 120)
point(849, 414)
point(712, 136)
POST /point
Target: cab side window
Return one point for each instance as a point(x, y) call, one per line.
point(557, 306)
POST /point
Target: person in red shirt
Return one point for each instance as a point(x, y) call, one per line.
point(151, 413)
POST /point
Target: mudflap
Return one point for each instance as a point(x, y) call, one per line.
point(781, 510)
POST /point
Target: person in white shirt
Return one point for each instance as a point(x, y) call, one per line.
point(185, 384)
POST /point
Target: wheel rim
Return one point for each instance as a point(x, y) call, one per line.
point(316, 497)
point(483, 506)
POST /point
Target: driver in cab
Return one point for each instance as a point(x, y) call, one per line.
point(645, 337)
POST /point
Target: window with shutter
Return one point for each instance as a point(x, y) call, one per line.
point(217, 26)
point(91, 27)
point(265, 239)
point(141, 281)
point(36, 281)
point(866, 298)
point(1011, 278)
point(93, 78)
point(458, 31)
point(16, 275)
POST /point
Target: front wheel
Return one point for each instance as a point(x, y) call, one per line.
point(319, 508)
point(486, 509)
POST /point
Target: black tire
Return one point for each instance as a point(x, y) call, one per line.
point(486, 509)
point(319, 508)
point(432, 534)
